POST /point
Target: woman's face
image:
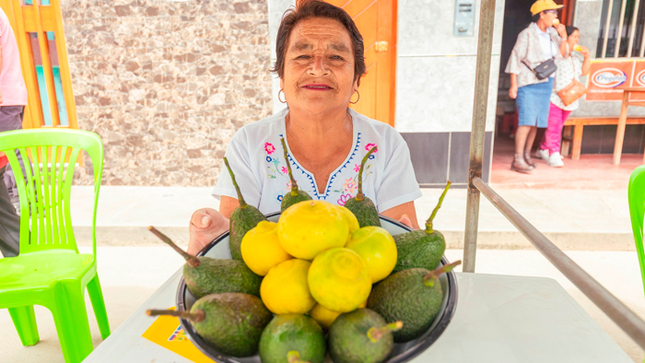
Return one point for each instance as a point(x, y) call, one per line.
point(548, 16)
point(319, 66)
point(574, 38)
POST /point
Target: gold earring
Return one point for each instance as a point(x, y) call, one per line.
point(359, 98)
point(279, 99)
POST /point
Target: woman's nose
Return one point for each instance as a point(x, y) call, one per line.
point(318, 67)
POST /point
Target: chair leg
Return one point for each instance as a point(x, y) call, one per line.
point(72, 325)
point(96, 297)
point(24, 320)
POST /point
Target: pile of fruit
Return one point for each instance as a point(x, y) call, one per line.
point(323, 280)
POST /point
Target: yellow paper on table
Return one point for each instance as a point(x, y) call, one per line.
point(167, 332)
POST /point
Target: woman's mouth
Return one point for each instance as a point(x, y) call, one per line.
point(317, 87)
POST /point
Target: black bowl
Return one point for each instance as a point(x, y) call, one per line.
point(402, 352)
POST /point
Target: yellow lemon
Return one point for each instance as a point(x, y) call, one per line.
point(339, 279)
point(307, 228)
point(323, 316)
point(284, 289)
point(351, 220)
point(377, 247)
point(261, 249)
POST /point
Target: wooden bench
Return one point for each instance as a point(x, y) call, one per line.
point(573, 127)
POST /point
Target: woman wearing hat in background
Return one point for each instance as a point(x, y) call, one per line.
point(540, 41)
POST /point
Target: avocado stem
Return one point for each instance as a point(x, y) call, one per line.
point(429, 228)
point(294, 357)
point(243, 204)
point(432, 276)
point(294, 185)
point(190, 259)
point(360, 196)
point(375, 334)
point(196, 316)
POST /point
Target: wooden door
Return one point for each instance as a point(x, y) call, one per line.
point(376, 20)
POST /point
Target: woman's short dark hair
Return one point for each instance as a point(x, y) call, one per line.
point(571, 29)
point(536, 17)
point(318, 9)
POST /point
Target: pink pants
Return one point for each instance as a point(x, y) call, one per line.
point(553, 133)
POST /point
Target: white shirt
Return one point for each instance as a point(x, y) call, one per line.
point(549, 49)
point(568, 69)
point(256, 156)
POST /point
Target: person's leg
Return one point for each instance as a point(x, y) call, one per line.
point(555, 118)
point(11, 119)
point(559, 127)
point(530, 139)
point(519, 164)
point(9, 223)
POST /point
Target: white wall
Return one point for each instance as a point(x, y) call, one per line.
point(435, 80)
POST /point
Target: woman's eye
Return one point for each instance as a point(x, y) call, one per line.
point(304, 56)
point(336, 57)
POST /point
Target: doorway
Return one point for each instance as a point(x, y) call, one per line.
point(517, 16)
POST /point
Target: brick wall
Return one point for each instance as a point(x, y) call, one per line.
point(166, 84)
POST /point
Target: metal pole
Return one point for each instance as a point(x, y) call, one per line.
point(478, 134)
point(608, 303)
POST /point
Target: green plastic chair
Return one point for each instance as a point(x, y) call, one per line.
point(636, 197)
point(49, 270)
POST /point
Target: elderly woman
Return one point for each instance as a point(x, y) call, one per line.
point(535, 44)
point(320, 62)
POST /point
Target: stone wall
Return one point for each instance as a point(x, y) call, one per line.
point(166, 84)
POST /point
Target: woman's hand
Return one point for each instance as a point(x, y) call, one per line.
point(406, 220)
point(512, 92)
point(562, 31)
point(584, 51)
point(205, 225)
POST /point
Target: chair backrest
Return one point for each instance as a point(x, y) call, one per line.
point(636, 197)
point(49, 157)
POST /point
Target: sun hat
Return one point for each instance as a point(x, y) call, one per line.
point(541, 5)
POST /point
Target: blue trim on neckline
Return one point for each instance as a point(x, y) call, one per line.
point(331, 179)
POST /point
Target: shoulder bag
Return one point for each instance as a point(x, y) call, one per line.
point(544, 69)
point(573, 90)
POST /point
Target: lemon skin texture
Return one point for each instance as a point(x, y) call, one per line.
point(339, 280)
point(378, 249)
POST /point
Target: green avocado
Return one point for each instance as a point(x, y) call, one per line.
point(243, 219)
point(421, 248)
point(362, 206)
point(214, 276)
point(361, 336)
point(295, 195)
point(292, 333)
point(206, 275)
point(411, 296)
point(232, 323)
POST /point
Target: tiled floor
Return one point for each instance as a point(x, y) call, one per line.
point(592, 171)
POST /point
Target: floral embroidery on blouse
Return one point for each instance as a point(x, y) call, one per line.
point(369, 147)
point(276, 168)
point(350, 185)
point(269, 148)
point(344, 198)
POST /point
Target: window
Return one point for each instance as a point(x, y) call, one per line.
point(621, 29)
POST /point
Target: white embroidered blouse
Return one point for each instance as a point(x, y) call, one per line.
point(256, 156)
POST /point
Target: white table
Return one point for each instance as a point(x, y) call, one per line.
point(499, 319)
